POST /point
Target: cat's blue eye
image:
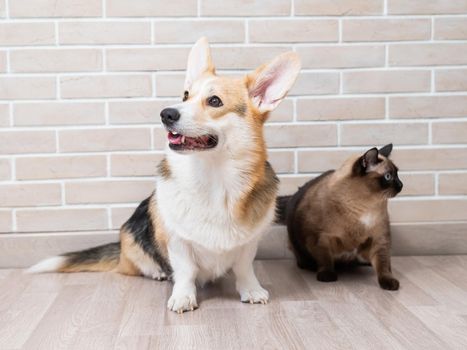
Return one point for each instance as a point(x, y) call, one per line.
point(387, 176)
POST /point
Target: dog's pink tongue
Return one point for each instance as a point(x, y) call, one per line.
point(174, 139)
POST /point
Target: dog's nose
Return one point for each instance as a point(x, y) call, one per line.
point(169, 116)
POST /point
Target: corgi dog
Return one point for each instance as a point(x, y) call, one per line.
point(215, 192)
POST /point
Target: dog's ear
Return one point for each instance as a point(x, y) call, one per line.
point(199, 62)
point(269, 84)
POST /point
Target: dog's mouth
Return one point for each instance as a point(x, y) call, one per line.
point(179, 142)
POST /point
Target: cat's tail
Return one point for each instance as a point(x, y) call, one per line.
point(281, 209)
point(304, 258)
point(101, 258)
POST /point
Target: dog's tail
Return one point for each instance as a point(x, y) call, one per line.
point(101, 258)
point(281, 209)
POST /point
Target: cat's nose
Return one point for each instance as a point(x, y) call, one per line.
point(399, 185)
point(169, 116)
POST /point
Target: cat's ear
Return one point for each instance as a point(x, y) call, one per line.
point(370, 158)
point(366, 162)
point(386, 150)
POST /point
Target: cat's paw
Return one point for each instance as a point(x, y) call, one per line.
point(388, 283)
point(326, 276)
point(257, 295)
point(181, 302)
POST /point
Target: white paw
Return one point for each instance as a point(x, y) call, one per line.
point(180, 302)
point(257, 295)
point(159, 276)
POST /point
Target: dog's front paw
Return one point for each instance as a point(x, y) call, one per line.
point(257, 295)
point(181, 302)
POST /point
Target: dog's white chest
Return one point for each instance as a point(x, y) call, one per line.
point(203, 215)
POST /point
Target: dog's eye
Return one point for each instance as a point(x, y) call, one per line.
point(387, 176)
point(185, 96)
point(215, 101)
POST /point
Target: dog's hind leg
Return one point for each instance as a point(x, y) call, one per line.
point(134, 261)
point(126, 267)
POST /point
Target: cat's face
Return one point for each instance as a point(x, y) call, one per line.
point(375, 167)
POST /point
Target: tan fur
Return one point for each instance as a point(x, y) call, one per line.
point(261, 197)
point(264, 183)
point(128, 248)
point(231, 90)
point(163, 169)
point(161, 238)
point(102, 265)
point(134, 261)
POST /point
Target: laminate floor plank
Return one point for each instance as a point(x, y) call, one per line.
point(110, 311)
point(21, 317)
point(102, 323)
point(62, 321)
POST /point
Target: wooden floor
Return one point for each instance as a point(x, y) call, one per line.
point(107, 311)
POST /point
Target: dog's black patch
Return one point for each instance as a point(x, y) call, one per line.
point(140, 226)
point(94, 255)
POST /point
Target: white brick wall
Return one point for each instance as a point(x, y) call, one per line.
point(82, 83)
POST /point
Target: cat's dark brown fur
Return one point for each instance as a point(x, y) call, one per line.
point(342, 215)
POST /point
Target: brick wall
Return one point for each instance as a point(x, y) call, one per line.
point(82, 83)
